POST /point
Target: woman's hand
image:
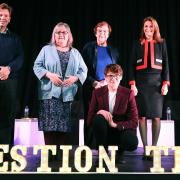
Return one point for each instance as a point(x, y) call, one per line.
point(133, 87)
point(164, 89)
point(71, 80)
point(54, 78)
point(98, 84)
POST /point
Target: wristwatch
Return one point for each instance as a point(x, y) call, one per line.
point(121, 128)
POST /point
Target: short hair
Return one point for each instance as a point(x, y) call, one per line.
point(70, 37)
point(102, 23)
point(6, 6)
point(114, 68)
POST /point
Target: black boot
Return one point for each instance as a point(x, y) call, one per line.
point(120, 157)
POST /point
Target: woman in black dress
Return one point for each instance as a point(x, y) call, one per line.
point(149, 78)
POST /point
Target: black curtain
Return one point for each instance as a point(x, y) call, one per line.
point(34, 21)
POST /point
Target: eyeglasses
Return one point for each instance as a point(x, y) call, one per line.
point(111, 76)
point(102, 31)
point(61, 32)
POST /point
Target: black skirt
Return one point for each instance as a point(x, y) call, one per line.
point(149, 99)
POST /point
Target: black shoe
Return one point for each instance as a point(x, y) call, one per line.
point(147, 158)
point(120, 160)
point(144, 157)
point(120, 157)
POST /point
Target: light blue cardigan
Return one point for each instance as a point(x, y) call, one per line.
point(48, 60)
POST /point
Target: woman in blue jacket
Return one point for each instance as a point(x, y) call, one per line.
point(59, 68)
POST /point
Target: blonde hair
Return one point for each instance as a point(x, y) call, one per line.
point(70, 37)
point(156, 35)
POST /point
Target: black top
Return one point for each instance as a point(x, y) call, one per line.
point(90, 58)
point(11, 52)
point(160, 60)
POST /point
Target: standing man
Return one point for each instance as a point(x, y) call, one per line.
point(11, 60)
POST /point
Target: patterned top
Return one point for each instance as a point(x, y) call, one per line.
point(54, 114)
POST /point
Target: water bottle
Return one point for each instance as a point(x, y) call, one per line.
point(26, 112)
point(168, 113)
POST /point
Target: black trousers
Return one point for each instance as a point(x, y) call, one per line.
point(8, 96)
point(126, 140)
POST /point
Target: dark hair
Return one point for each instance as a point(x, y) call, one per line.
point(102, 23)
point(114, 68)
point(6, 6)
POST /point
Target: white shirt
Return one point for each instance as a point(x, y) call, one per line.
point(112, 99)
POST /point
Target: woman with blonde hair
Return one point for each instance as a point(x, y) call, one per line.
point(59, 68)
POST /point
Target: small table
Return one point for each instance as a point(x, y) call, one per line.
point(26, 132)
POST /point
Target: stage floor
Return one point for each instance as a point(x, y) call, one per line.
point(134, 163)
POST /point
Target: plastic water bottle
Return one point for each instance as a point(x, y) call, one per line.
point(26, 112)
point(168, 113)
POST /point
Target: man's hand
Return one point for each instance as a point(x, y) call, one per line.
point(112, 124)
point(107, 115)
point(4, 72)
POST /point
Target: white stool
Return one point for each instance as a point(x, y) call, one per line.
point(81, 132)
point(166, 136)
point(26, 132)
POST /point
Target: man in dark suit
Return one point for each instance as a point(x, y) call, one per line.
point(113, 113)
point(11, 61)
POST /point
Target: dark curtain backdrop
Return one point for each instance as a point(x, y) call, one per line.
point(34, 21)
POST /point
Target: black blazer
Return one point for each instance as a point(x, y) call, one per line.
point(159, 62)
point(89, 54)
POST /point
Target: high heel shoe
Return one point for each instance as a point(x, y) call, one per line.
point(147, 158)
